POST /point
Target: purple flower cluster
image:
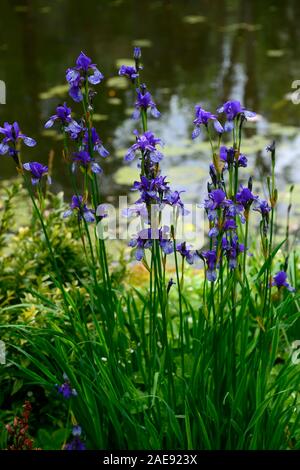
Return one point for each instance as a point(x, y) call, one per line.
point(145, 143)
point(12, 137)
point(10, 145)
point(65, 389)
point(83, 159)
point(186, 252)
point(223, 212)
point(85, 139)
point(129, 72)
point(232, 110)
point(78, 206)
point(77, 76)
point(88, 142)
point(280, 281)
point(145, 237)
point(37, 171)
point(227, 155)
point(210, 258)
point(76, 443)
point(155, 194)
point(81, 134)
point(155, 191)
point(202, 118)
point(144, 102)
point(63, 116)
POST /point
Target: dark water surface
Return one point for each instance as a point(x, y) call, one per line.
point(193, 52)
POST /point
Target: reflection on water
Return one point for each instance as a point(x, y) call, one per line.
point(194, 52)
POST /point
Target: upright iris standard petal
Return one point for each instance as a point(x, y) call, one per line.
point(245, 197)
point(137, 53)
point(203, 117)
point(129, 72)
point(146, 143)
point(78, 206)
point(77, 76)
point(144, 102)
point(83, 62)
point(63, 115)
point(65, 389)
point(76, 430)
point(232, 109)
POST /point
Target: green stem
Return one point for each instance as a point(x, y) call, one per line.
point(180, 310)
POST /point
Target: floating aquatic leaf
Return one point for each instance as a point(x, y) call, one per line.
point(114, 101)
point(165, 90)
point(100, 117)
point(125, 175)
point(52, 134)
point(127, 61)
point(240, 27)
point(274, 53)
point(21, 8)
point(194, 19)
point(116, 3)
point(119, 83)
point(276, 128)
point(142, 43)
point(45, 9)
point(58, 90)
point(186, 175)
point(129, 111)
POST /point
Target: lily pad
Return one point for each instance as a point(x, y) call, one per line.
point(142, 43)
point(51, 133)
point(275, 53)
point(278, 129)
point(126, 175)
point(127, 61)
point(58, 90)
point(240, 27)
point(100, 117)
point(194, 19)
point(120, 83)
point(21, 8)
point(129, 111)
point(45, 9)
point(114, 101)
point(186, 175)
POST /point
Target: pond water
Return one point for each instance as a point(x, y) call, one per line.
point(193, 52)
